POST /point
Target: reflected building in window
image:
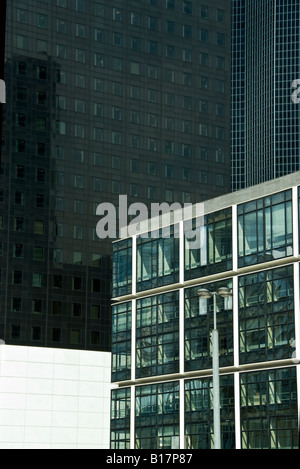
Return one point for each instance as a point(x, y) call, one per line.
point(265, 63)
point(247, 241)
point(104, 99)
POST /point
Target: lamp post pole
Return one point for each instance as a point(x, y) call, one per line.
point(203, 293)
point(216, 378)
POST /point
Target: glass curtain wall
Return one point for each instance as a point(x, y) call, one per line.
point(199, 324)
point(269, 409)
point(199, 431)
point(157, 416)
point(266, 315)
point(158, 260)
point(157, 335)
point(265, 229)
point(211, 251)
point(120, 419)
point(121, 341)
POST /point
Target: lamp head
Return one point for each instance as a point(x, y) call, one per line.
point(204, 293)
point(224, 292)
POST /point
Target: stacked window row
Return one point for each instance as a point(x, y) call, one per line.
point(268, 413)
point(264, 233)
point(266, 327)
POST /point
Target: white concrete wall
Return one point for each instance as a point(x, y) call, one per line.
point(54, 398)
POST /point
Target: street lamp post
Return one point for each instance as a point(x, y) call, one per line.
point(224, 292)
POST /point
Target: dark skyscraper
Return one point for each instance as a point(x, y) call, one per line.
point(103, 99)
point(265, 62)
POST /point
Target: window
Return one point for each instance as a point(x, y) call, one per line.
point(135, 68)
point(187, 31)
point(39, 200)
point(77, 283)
point(78, 181)
point(40, 175)
point(37, 279)
point(20, 171)
point(203, 105)
point(61, 26)
point(157, 348)
point(36, 306)
point(221, 63)
point(203, 130)
point(117, 14)
point(80, 6)
point(265, 229)
point(38, 253)
point(81, 30)
point(98, 134)
point(80, 81)
point(204, 12)
point(135, 43)
point(78, 232)
point(204, 59)
point(204, 82)
point(80, 56)
point(42, 21)
point(220, 15)
point(76, 309)
point(19, 198)
point(22, 42)
point(157, 260)
point(153, 72)
point(38, 227)
point(99, 9)
point(18, 251)
point(61, 51)
point(153, 47)
point(266, 314)
point(170, 4)
point(80, 106)
point(75, 336)
point(221, 39)
point(220, 155)
point(22, 16)
point(19, 224)
point(61, 77)
point(220, 181)
point(95, 285)
point(79, 131)
point(170, 51)
point(40, 149)
point(78, 206)
point(57, 308)
point(20, 145)
point(117, 64)
point(77, 257)
point(170, 27)
point(56, 334)
point(152, 23)
point(203, 35)
point(61, 127)
point(187, 7)
point(135, 19)
point(117, 89)
point(98, 60)
point(116, 138)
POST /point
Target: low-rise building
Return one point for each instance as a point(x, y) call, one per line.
point(162, 351)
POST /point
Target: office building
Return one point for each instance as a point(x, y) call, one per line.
point(103, 99)
point(161, 335)
point(265, 63)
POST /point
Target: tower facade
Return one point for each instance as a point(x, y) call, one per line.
point(265, 63)
point(103, 99)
